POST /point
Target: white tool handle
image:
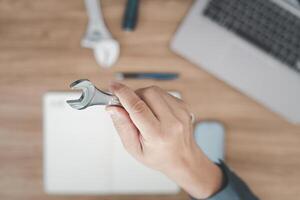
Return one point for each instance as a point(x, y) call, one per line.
point(97, 29)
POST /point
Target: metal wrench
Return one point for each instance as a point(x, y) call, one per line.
point(97, 37)
point(91, 96)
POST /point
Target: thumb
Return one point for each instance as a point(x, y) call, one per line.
point(127, 131)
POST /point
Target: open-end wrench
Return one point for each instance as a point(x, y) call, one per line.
point(91, 96)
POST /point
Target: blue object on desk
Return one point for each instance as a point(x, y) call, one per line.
point(142, 75)
point(130, 15)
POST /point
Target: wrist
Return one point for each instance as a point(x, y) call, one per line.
point(197, 175)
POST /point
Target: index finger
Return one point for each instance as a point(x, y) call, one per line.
point(139, 112)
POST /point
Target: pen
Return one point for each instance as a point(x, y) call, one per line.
point(146, 75)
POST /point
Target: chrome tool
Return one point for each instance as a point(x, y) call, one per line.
point(91, 96)
point(97, 37)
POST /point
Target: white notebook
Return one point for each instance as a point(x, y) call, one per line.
point(83, 154)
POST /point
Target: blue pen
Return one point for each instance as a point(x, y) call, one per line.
point(146, 75)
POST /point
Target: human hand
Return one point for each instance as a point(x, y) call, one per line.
point(156, 129)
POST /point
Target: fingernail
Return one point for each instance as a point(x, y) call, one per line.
point(114, 86)
point(110, 110)
point(113, 113)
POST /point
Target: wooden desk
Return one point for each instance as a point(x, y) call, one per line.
point(40, 51)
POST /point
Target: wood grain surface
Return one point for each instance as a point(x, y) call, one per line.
point(40, 51)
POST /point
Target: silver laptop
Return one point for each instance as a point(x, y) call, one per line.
point(252, 45)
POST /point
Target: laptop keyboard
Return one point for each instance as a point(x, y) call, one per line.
point(262, 23)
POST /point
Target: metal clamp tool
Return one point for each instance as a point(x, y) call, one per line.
point(91, 96)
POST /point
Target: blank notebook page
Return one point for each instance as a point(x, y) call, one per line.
point(83, 154)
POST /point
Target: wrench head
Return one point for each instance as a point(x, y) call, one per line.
point(88, 90)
